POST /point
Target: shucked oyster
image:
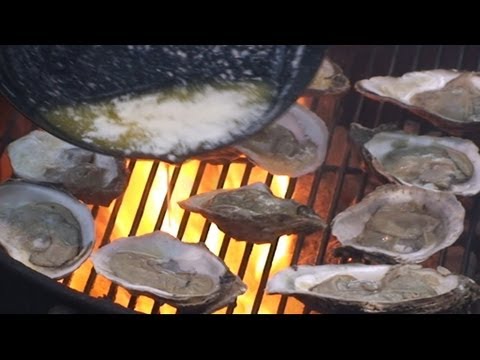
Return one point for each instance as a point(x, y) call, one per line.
point(93, 178)
point(187, 276)
point(401, 224)
point(329, 79)
point(294, 145)
point(448, 98)
point(435, 163)
point(45, 229)
point(252, 213)
point(376, 288)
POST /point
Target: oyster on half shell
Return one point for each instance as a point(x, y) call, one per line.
point(294, 145)
point(93, 178)
point(47, 230)
point(187, 276)
point(450, 99)
point(376, 288)
point(329, 79)
point(400, 224)
point(435, 163)
point(252, 213)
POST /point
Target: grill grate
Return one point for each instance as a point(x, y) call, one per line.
point(342, 181)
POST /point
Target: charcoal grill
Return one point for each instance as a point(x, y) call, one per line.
point(343, 180)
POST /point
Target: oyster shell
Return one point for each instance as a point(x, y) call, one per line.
point(93, 178)
point(329, 79)
point(187, 276)
point(294, 145)
point(252, 213)
point(401, 224)
point(376, 288)
point(435, 163)
point(45, 229)
point(220, 156)
point(450, 99)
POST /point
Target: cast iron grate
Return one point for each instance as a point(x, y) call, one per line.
point(342, 181)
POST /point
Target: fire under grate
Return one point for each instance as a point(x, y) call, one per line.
point(340, 182)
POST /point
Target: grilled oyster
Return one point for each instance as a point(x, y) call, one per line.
point(400, 224)
point(252, 213)
point(329, 79)
point(376, 288)
point(294, 145)
point(93, 178)
point(450, 99)
point(45, 229)
point(435, 163)
point(187, 276)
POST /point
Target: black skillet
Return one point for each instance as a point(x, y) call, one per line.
point(35, 77)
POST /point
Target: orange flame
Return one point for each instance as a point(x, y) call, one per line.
point(195, 224)
point(193, 230)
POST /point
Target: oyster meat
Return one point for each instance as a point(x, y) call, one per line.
point(45, 229)
point(93, 178)
point(400, 224)
point(404, 228)
point(252, 213)
point(187, 276)
point(448, 98)
point(294, 145)
point(435, 163)
point(458, 100)
point(376, 288)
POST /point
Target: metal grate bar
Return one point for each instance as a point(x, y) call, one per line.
point(366, 176)
point(241, 271)
point(391, 67)
point(224, 248)
point(195, 186)
point(140, 211)
point(270, 256)
point(143, 199)
point(470, 236)
point(108, 230)
point(313, 194)
point(166, 200)
point(473, 224)
point(248, 247)
point(220, 183)
point(341, 173)
point(443, 254)
point(439, 56)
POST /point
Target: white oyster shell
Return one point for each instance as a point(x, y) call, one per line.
point(174, 258)
point(16, 239)
point(375, 288)
point(42, 157)
point(444, 207)
point(405, 87)
point(450, 99)
point(385, 143)
point(252, 213)
point(294, 145)
point(329, 79)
